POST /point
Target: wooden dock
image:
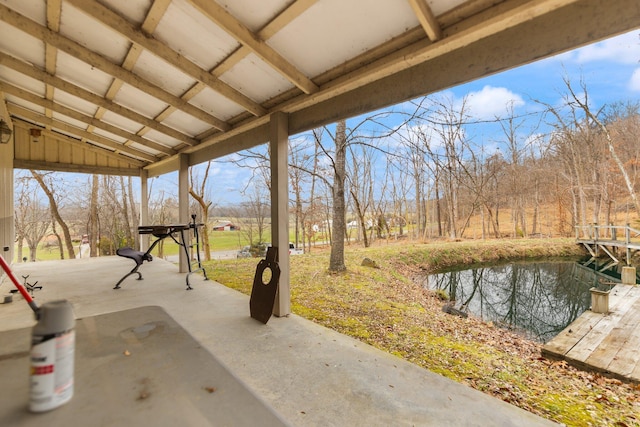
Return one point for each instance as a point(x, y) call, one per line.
point(609, 239)
point(606, 343)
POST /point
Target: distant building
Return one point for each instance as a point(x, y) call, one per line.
point(225, 226)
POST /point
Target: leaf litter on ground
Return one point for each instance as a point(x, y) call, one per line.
point(388, 308)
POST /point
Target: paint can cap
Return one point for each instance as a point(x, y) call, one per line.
point(54, 317)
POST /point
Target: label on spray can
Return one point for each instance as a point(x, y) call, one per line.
point(52, 357)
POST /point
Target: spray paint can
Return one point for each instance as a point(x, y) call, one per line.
point(52, 356)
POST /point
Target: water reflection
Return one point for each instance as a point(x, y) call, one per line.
point(537, 299)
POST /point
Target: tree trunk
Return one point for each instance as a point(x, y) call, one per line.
point(584, 105)
point(58, 238)
point(53, 206)
point(20, 239)
point(93, 217)
point(336, 261)
point(135, 220)
point(125, 215)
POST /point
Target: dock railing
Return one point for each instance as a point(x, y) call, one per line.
point(597, 232)
point(601, 236)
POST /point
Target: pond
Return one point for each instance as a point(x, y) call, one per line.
point(536, 299)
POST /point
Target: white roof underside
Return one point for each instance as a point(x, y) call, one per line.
point(163, 77)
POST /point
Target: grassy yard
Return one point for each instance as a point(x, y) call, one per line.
point(219, 241)
point(385, 308)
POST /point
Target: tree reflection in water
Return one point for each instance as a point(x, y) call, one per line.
point(536, 299)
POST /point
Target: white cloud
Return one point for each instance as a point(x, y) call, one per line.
point(491, 102)
point(624, 49)
point(634, 82)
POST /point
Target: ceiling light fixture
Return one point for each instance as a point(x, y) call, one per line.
point(5, 132)
point(35, 134)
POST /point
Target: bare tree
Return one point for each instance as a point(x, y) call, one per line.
point(47, 185)
point(336, 259)
point(129, 234)
point(398, 176)
point(93, 226)
point(251, 216)
point(360, 176)
point(135, 219)
point(517, 178)
point(31, 219)
point(576, 142)
point(583, 104)
point(162, 210)
point(198, 190)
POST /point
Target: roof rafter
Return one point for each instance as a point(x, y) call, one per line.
point(154, 15)
point(294, 10)
point(280, 21)
point(54, 10)
point(4, 113)
point(493, 21)
point(119, 24)
point(240, 32)
point(58, 83)
point(80, 52)
point(89, 120)
point(427, 19)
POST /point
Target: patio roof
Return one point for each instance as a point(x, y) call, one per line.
point(115, 86)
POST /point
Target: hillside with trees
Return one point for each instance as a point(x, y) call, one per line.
point(426, 169)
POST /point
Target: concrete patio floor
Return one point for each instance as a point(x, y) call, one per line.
point(309, 375)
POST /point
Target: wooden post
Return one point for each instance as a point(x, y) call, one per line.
point(627, 240)
point(629, 275)
point(279, 145)
point(599, 301)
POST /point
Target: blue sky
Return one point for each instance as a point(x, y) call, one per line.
point(610, 69)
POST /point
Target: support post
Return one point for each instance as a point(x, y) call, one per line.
point(279, 148)
point(144, 208)
point(7, 219)
point(599, 301)
point(183, 205)
point(628, 275)
point(627, 240)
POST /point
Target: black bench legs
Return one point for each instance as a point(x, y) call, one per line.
point(138, 257)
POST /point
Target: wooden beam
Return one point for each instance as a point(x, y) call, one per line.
point(80, 52)
point(427, 19)
point(89, 120)
point(564, 28)
point(294, 10)
point(54, 11)
point(166, 165)
point(4, 112)
point(500, 18)
point(70, 167)
point(119, 24)
point(287, 15)
point(101, 140)
point(240, 32)
point(154, 15)
point(84, 94)
point(532, 30)
point(279, 162)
